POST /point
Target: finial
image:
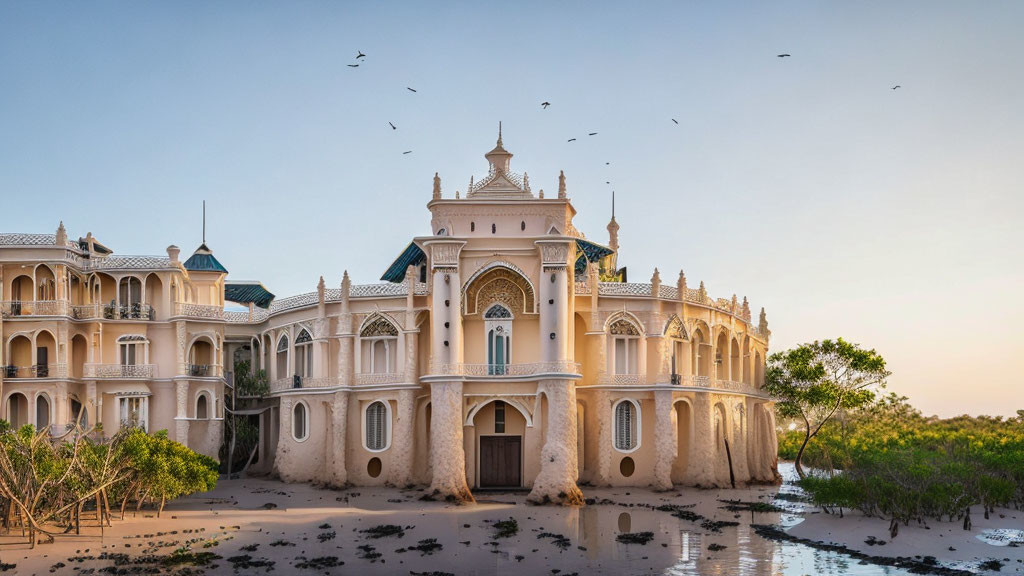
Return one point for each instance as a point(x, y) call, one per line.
point(763, 320)
point(541, 195)
point(561, 184)
point(470, 189)
point(526, 181)
point(703, 291)
point(733, 304)
point(499, 133)
point(437, 186)
point(456, 194)
point(656, 283)
point(62, 235)
point(656, 277)
point(746, 308)
point(613, 204)
point(345, 282)
point(320, 286)
point(681, 285)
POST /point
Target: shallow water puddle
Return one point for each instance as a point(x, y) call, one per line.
point(1002, 537)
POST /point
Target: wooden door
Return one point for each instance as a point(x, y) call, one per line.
point(500, 461)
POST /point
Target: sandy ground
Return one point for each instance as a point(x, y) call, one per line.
point(260, 526)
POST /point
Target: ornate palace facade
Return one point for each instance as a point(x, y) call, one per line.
point(504, 350)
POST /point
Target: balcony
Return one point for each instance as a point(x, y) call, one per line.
point(35, 371)
point(297, 382)
point(15, 308)
point(504, 370)
point(136, 311)
point(104, 371)
point(201, 311)
point(371, 378)
point(201, 370)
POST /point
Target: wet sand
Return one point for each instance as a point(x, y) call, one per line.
point(255, 526)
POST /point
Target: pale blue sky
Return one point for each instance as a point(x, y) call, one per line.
point(889, 217)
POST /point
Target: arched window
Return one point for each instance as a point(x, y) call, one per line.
point(625, 341)
point(134, 349)
point(676, 334)
point(202, 409)
point(627, 426)
point(377, 424)
point(282, 357)
point(304, 354)
point(129, 292)
point(379, 347)
point(300, 421)
point(498, 327)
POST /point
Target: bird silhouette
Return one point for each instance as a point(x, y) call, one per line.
point(409, 89)
point(572, 139)
point(607, 163)
point(407, 152)
point(607, 182)
point(545, 104)
point(783, 55)
point(360, 55)
point(393, 127)
point(896, 86)
point(676, 121)
point(592, 134)
point(353, 65)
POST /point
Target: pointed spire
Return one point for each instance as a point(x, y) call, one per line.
point(499, 158)
point(561, 184)
point(320, 289)
point(470, 189)
point(346, 288)
point(746, 309)
point(762, 323)
point(62, 235)
point(733, 304)
point(681, 285)
point(526, 181)
point(656, 283)
point(703, 292)
point(499, 134)
point(541, 194)
point(437, 186)
point(321, 301)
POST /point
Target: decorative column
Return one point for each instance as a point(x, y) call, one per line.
point(447, 454)
point(346, 339)
point(603, 406)
point(179, 328)
point(700, 470)
point(559, 458)
point(60, 407)
point(181, 418)
point(320, 342)
point(665, 439)
point(410, 332)
point(403, 443)
point(339, 421)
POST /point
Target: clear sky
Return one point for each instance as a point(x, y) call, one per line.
point(846, 208)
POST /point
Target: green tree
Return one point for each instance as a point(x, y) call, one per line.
point(813, 382)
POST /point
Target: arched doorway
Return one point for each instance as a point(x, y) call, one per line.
point(154, 295)
point(79, 354)
point(499, 430)
point(46, 352)
point(201, 358)
point(684, 422)
point(17, 410)
point(42, 412)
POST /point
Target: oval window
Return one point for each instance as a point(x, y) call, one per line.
point(627, 467)
point(373, 467)
point(300, 422)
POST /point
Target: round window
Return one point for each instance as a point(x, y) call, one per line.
point(627, 467)
point(373, 467)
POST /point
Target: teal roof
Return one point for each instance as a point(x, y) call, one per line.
point(412, 256)
point(589, 252)
point(202, 260)
point(246, 292)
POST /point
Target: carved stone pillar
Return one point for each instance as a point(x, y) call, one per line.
point(559, 465)
point(181, 418)
point(665, 439)
point(180, 352)
point(739, 442)
point(553, 293)
point(339, 422)
point(603, 406)
point(403, 443)
point(447, 455)
point(701, 468)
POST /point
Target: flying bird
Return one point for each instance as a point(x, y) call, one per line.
point(783, 55)
point(676, 121)
point(393, 127)
point(592, 134)
point(407, 152)
point(896, 86)
point(353, 65)
point(360, 55)
point(572, 139)
point(607, 163)
point(409, 89)
point(545, 104)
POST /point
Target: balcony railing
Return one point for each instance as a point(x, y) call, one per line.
point(15, 308)
point(378, 378)
point(621, 379)
point(203, 311)
point(504, 370)
point(35, 371)
point(297, 382)
point(201, 370)
point(119, 371)
point(136, 311)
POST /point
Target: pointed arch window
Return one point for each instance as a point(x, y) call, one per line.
point(282, 357)
point(304, 354)
point(377, 426)
point(627, 425)
point(498, 327)
point(625, 341)
point(379, 347)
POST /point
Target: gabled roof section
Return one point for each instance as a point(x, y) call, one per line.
point(248, 291)
point(589, 252)
point(413, 255)
point(202, 260)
